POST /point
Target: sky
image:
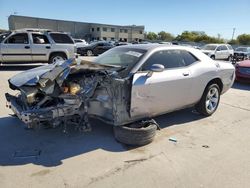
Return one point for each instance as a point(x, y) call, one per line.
point(174, 16)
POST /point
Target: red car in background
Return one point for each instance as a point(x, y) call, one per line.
point(243, 71)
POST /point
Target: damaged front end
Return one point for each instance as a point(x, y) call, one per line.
point(68, 93)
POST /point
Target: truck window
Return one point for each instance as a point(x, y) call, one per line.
point(39, 39)
point(61, 38)
point(20, 38)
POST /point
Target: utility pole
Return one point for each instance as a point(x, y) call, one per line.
point(233, 33)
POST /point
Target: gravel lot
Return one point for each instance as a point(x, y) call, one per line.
point(209, 152)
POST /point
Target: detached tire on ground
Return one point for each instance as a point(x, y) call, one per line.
point(138, 134)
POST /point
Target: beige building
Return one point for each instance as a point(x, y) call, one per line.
point(88, 31)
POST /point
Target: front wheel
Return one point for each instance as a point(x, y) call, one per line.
point(209, 100)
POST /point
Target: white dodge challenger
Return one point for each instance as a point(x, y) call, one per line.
point(126, 86)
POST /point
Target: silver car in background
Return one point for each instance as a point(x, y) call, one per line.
point(126, 87)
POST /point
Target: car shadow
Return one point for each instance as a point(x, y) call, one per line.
point(241, 86)
point(49, 147)
point(18, 67)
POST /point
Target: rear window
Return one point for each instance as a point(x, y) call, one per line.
point(61, 38)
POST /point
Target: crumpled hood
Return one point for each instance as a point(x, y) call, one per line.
point(52, 71)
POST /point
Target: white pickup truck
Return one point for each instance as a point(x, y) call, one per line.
point(35, 45)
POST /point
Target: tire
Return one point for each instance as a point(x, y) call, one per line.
point(89, 53)
point(208, 105)
point(212, 57)
point(57, 57)
point(137, 134)
point(230, 58)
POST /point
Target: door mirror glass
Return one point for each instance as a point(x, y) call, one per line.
point(157, 68)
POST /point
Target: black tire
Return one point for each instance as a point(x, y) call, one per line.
point(135, 134)
point(230, 58)
point(56, 56)
point(89, 53)
point(201, 105)
point(212, 57)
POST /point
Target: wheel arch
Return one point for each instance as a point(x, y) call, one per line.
point(58, 52)
point(217, 81)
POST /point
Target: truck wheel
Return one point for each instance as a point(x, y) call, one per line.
point(138, 134)
point(57, 57)
point(209, 100)
point(230, 58)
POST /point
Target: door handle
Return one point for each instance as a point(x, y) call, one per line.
point(185, 74)
point(27, 47)
point(48, 47)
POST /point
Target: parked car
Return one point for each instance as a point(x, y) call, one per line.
point(219, 51)
point(95, 48)
point(34, 45)
point(243, 71)
point(125, 87)
point(241, 53)
point(80, 43)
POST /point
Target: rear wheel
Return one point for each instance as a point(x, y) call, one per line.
point(135, 134)
point(209, 100)
point(57, 57)
point(89, 53)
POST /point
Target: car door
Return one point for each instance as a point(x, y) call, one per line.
point(99, 49)
point(40, 47)
point(219, 53)
point(16, 48)
point(225, 52)
point(154, 93)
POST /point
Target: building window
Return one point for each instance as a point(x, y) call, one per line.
point(98, 28)
point(112, 29)
point(104, 29)
point(121, 30)
point(140, 32)
point(93, 29)
point(97, 38)
point(112, 38)
point(125, 40)
point(125, 30)
point(104, 38)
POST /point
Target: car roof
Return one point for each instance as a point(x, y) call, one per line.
point(153, 46)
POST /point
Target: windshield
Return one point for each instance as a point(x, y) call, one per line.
point(122, 57)
point(209, 47)
point(125, 58)
point(3, 36)
point(241, 49)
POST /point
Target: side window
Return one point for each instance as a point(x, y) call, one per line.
point(219, 48)
point(20, 38)
point(223, 47)
point(39, 39)
point(100, 44)
point(61, 38)
point(170, 59)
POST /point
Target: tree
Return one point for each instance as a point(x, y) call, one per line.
point(244, 39)
point(151, 36)
point(165, 36)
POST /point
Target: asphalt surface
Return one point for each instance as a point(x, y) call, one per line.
point(209, 152)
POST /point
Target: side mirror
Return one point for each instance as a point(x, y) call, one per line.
point(157, 68)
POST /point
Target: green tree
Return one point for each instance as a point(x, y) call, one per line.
point(165, 36)
point(244, 39)
point(151, 36)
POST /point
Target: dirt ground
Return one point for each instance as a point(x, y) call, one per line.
point(209, 152)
